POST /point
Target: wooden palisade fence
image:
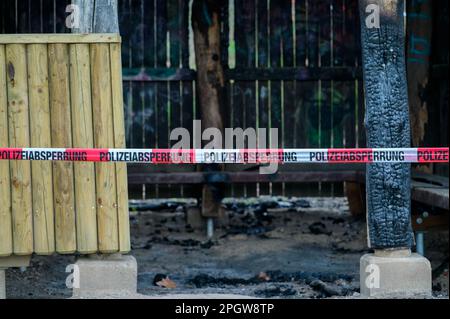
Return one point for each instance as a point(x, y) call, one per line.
point(62, 91)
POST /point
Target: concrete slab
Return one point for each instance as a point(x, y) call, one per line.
point(10, 262)
point(395, 275)
point(165, 296)
point(105, 275)
point(14, 261)
point(2, 284)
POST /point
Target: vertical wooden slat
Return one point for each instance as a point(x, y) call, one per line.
point(300, 32)
point(119, 142)
point(23, 25)
point(60, 16)
point(83, 137)
point(249, 87)
point(63, 178)
point(263, 62)
point(148, 90)
point(173, 12)
point(10, 22)
point(312, 33)
point(2, 16)
point(108, 240)
point(161, 61)
point(43, 213)
point(36, 16)
point(6, 242)
point(325, 109)
point(187, 94)
point(19, 136)
point(48, 18)
point(162, 88)
point(288, 86)
point(276, 112)
point(243, 92)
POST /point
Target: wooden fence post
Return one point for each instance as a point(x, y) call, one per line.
point(101, 16)
point(210, 83)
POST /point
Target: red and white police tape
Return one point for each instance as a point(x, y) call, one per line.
point(236, 156)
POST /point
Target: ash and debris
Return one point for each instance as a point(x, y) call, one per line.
point(268, 247)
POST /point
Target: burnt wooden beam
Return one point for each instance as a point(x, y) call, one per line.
point(247, 74)
point(158, 74)
point(387, 124)
point(245, 177)
point(295, 73)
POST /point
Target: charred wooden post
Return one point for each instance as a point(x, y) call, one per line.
point(210, 84)
point(392, 269)
point(387, 122)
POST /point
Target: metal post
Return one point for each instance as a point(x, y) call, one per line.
point(420, 245)
point(210, 228)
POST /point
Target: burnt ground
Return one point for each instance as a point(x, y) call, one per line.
point(271, 248)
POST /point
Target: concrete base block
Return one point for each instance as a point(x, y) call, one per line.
point(105, 276)
point(2, 284)
point(396, 274)
point(10, 262)
point(15, 261)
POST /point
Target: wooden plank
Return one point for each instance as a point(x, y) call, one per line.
point(83, 136)
point(60, 16)
point(301, 20)
point(313, 33)
point(432, 222)
point(276, 112)
point(61, 136)
point(162, 97)
point(356, 197)
point(19, 136)
point(22, 16)
point(325, 73)
point(9, 16)
point(137, 30)
point(107, 219)
point(148, 24)
point(244, 177)
point(263, 73)
point(41, 172)
point(325, 32)
point(237, 120)
point(35, 20)
point(418, 55)
point(287, 35)
point(48, 18)
point(287, 87)
point(360, 114)
point(433, 196)
point(59, 38)
point(173, 12)
point(119, 142)
point(187, 87)
point(262, 85)
point(6, 242)
point(243, 92)
point(136, 60)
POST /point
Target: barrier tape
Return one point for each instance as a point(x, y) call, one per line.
point(231, 156)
